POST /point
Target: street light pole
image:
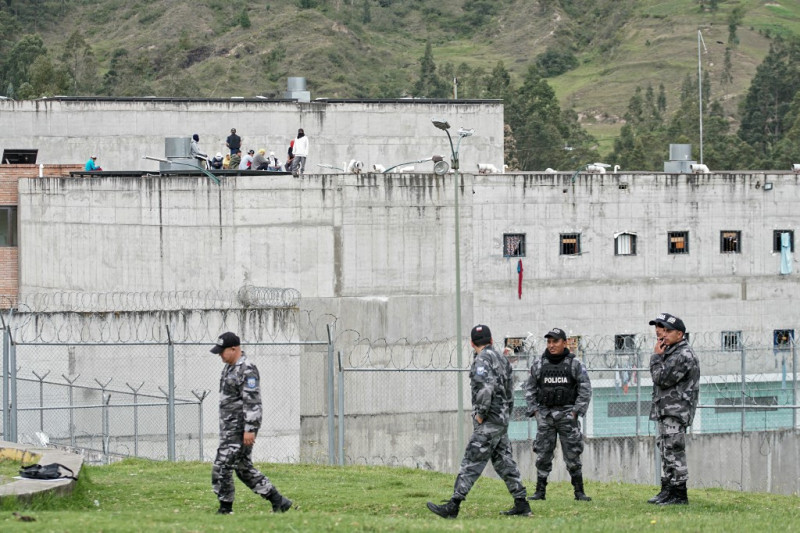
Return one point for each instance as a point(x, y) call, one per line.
point(462, 133)
point(700, 86)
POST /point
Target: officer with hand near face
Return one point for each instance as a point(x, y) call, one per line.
point(676, 392)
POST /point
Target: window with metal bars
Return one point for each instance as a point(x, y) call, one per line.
point(678, 242)
point(731, 341)
point(570, 243)
point(514, 245)
point(730, 242)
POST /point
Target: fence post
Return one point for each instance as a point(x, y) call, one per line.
point(106, 426)
point(744, 387)
point(341, 411)
point(6, 407)
point(12, 389)
point(71, 410)
point(200, 397)
point(135, 417)
point(794, 381)
point(331, 400)
point(170, 397)
point(41, 398)
point(638, 392)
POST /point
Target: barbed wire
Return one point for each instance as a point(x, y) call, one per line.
point(248, 296)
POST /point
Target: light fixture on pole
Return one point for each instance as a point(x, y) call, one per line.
point(441, 169)
point(211, 176)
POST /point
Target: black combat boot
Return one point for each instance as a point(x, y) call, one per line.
point(225, 508)
point(577, 483)
point(521, 508)
point(677, 495)
point(541, 489)
point(448, 510)
point(658, 498)
point(280, 503)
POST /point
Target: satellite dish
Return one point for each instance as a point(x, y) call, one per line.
point(441, 168)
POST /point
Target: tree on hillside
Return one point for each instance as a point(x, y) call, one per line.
point(20, 58)
point(497, 83)
point(642, 143)
point(787, 150)
point(429, 84)
point(770, 96)
point(541, 130)
point(80, 64)
point(734, 20)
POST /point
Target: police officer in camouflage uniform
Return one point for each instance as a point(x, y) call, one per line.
point(558, 391)
point(676, 391)
point(492, 401)
point(239, 421)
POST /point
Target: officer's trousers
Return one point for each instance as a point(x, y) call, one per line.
point(235, 457)
point(488, 442)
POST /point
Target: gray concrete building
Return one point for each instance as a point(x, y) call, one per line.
point(120, 131)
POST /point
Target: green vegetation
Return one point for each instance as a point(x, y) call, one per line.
point(594, 54)
point(147, 496)
point(8, 469)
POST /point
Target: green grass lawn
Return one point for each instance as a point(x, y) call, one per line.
point(138, 495)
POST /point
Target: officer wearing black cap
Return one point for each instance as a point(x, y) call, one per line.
point(492, 401)
point(239, 421)
point(558, 391)
point(676, 391)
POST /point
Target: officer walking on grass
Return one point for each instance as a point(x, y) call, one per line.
point(558, 391)
point(492, 401)
point(239, 421)
point(676, 391)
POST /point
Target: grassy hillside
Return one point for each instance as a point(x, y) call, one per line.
point(138, 495)
point(371, 48)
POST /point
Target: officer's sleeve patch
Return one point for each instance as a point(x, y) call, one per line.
point(252, 383)
point(480, 371)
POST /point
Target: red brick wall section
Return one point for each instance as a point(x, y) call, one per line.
point(9, 275)
point(9, 257)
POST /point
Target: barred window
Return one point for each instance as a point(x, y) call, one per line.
point(625, 244)
point(513, 245)
point(731, 341)
point(730, 242)
point(776, 239)
point(782, 339)
point(570, 243)
point(678, 242)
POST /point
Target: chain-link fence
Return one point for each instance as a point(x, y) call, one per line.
point(398, 403)
point(143, 383)
point(89, 381)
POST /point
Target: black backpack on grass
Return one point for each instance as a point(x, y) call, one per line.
point(51, 471)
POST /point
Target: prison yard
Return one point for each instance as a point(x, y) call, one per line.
point(141, 495)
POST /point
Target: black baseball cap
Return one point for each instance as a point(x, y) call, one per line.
point(556, 333)
point(668, 321)
point(226, 340)
point(481, 335)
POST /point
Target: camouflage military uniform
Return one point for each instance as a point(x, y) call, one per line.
point(239, 412)
point(676, 390)
point(492, 400)
point(555, 420)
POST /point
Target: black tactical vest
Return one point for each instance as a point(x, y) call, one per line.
point(557, 386)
